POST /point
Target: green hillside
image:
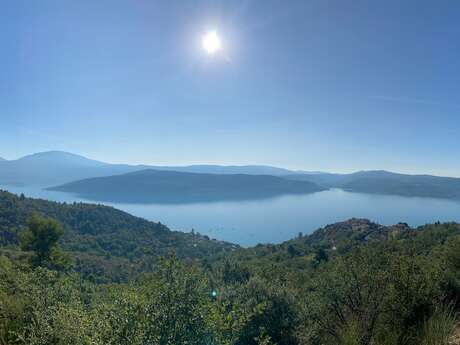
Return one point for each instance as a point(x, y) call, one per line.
point(103, 239)
point(350, 283)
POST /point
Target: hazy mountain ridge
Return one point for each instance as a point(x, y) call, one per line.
point(385, 182)
point(182, 187)
point(48, 168)
point(227, 169)
point(57, 167)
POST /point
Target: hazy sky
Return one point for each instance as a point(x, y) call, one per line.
point(318, 85)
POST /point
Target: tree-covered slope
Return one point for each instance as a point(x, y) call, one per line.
point(349, 283)
point(103, 236)
point(306, 251)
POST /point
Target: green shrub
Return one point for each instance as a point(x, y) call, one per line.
point(439, 328)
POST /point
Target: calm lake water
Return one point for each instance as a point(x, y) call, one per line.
point(282, 218)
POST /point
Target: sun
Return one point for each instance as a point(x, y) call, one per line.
point(211, 43)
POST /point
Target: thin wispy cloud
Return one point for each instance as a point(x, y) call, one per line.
point(420, 101)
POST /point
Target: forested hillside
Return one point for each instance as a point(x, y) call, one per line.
point(349, 283)
point(105, 241)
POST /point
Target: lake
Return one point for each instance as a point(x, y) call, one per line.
point(279, 219)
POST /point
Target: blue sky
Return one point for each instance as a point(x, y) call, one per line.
point(316, 85)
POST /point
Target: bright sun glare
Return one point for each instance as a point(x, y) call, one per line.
point(211, 42)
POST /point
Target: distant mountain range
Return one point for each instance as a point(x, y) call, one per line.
point(57, 167)
point(149, 185)
point(384, 182)
point(48, 168)
point(62, 169)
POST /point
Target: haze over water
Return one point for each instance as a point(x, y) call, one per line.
point(278, 219)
